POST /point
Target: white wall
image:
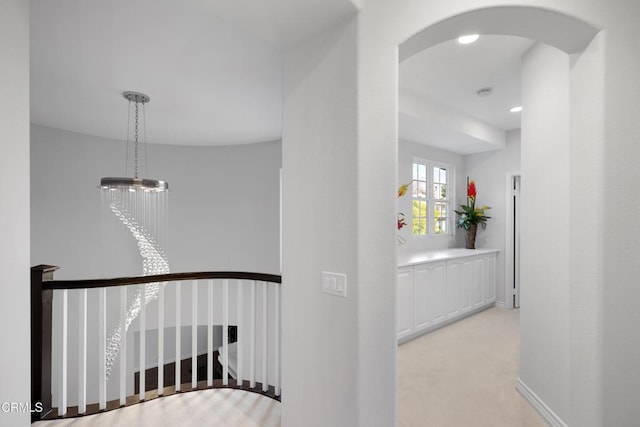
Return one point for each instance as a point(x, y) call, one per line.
point(586, 257)
point(15, 383)
point(545, 219)
point(329, 78)
point(408, 151)
point(320, 355)
point(223, 215)
point(223, 204)
point(385, 24)
point(489, 171)
point(618, 231)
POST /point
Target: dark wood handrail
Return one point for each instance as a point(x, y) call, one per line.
point(170, 277)
point(42, 286)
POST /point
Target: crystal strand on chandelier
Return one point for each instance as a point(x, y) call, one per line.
point(142, 212)
point(141, 206)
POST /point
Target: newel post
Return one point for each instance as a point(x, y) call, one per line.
point(41, 320)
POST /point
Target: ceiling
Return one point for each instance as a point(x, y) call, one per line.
point(448, 76)
point(213, 71)
point(211, 67)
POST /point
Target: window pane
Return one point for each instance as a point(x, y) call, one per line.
point(422, 172)
point(422, 189)
point(422, 225)
point(440, 219)
point(443, 175)
point(419, 226)
point(430, 184)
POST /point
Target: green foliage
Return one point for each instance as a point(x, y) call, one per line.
point(419, 217)
point(470, 215)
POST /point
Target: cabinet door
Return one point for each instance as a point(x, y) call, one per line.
point(474, 280)
point(490, 278)
point(429, 304)
point(404, 302)
point(454, 280)
point(421, 282)
point(471, 289)
point(437, 302)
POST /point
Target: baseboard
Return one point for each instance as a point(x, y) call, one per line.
point(501, 304)
point(549, 416)
point(444, 323)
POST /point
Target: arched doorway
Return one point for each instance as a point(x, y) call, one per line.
point(550, 146)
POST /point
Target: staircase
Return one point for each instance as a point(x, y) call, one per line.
point(79, 370)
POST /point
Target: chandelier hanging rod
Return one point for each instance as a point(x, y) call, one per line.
point(135, 183)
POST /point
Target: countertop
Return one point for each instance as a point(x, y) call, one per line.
point(405, 260)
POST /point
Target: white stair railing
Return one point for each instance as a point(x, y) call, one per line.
point(233, 317)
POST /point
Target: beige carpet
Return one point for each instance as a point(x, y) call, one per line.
point(464, 375)
point(215, 407)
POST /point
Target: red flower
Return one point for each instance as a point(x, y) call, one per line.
point(401, 222)
point(471, 190)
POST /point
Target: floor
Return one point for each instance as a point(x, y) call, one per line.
point(464, 375)
point(215, 407)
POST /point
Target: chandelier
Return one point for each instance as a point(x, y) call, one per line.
point(139, 204)
point(136, 183)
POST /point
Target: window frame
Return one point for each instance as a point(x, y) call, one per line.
point(432, 201)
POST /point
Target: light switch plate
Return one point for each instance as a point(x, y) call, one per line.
point(334, 284)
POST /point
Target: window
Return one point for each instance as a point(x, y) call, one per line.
point(432, 188)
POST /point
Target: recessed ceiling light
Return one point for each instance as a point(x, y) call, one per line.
point(468, 39)
point(516, 109)
point(484, 92)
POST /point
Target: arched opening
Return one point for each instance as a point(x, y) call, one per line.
point(552, 139)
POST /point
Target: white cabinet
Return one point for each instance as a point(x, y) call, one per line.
point(474, 277)
point(490, 278)
point(435, 292)
point(429, 284)
point(404, 298)
point(454, 285)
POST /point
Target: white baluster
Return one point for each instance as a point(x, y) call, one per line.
point(225, 332)
point(102, 348)
point(63, 378)
point(178, 349)
point(276, 338)
point(123, 345)
point(265, 383)
point(194, 334)
point(82, 351)
point(240, 360)
point(210, 335)
point(143, 340)
point(161, 339)
point(252, 337)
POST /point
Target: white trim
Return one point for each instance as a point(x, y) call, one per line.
point(508, 261)
point(280, 215)
point(501, 304)
point(549, 416)
point(415, 334)
point(430, 201)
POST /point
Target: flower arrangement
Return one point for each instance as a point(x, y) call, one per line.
point(470, 216)
point(402, 190)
